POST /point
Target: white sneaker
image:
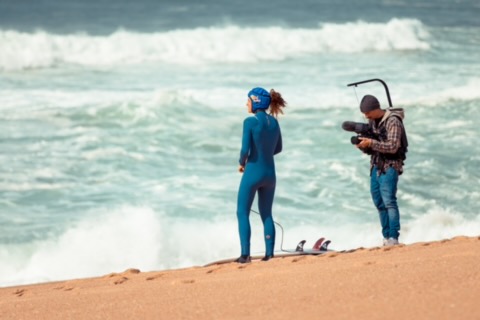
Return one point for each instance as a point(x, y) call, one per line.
point(391, 242)
point(385, 241)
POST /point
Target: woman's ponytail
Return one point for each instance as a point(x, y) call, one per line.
point(276, 103)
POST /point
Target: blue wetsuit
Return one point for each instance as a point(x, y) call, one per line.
point(261, 140)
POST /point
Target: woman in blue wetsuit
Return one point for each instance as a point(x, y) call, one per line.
point(260, 142)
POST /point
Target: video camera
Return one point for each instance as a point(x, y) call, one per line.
point(363, 130)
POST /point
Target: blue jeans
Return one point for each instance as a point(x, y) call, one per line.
point(384, 195)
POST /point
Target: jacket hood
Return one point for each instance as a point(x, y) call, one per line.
point(399, 112)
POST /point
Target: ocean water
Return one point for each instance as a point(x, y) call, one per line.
point(121, 125)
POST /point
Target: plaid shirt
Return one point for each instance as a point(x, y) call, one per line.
point(392, 126)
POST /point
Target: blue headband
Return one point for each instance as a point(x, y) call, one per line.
point(260, 98)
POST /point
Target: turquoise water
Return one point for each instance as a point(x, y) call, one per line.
point(120, 140)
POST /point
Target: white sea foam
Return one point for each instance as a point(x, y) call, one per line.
point(29, 186)
point(40, 49)
point(112, 152)
point(137, 237)
point(129, 237)
point(133, 106)
point(360, 36)
point(112, 242)
point(440, 223)
point(463, 90)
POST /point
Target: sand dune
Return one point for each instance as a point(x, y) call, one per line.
point(431, 280)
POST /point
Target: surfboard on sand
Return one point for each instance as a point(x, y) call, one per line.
point(320, 247)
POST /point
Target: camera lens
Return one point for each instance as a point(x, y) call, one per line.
point(355, 140)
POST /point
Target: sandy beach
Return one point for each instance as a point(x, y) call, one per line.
point(428, 280)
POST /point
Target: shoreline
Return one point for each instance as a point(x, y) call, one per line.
point(424, 280)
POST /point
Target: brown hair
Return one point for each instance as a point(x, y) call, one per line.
point(276, 103)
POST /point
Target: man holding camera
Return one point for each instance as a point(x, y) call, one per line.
point(388, 149)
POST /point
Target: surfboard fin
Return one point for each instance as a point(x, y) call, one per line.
point(318, 244)
point(324, 246)
point(300, 245)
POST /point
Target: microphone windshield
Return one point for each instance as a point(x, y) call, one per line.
point(349, 126)
point(357, 127)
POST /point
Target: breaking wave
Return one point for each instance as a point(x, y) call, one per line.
point(230, 44)
point(137, 237)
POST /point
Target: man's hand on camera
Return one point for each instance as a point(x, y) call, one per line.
point(364, 143)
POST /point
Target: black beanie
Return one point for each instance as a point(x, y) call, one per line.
point(369, 103)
